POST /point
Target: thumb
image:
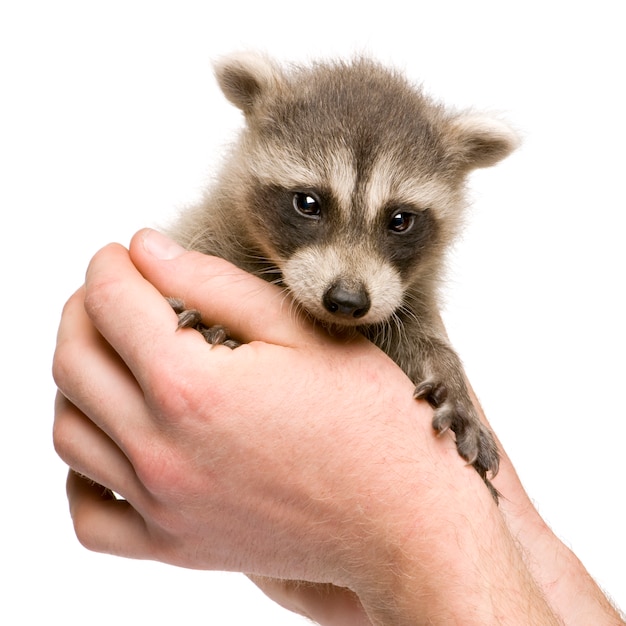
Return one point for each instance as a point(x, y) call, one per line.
point(251, 308)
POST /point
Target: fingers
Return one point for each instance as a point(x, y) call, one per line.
point(104, 524)
point(89, 451)
point(140, 326)
point(96, 381)
point(251, 308)
point(129, 312)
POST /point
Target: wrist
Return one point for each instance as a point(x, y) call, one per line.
point(563, 580)
point(323, 603)
point(446, 547)
point(559, 575)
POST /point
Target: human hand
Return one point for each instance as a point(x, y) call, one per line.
point(176, 427)
point(296, 456)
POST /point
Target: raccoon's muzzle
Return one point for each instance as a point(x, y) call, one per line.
point(341, 300)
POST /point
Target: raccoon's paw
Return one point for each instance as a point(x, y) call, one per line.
point(474, 440)
point(218, 335)
point(435, 393)
point(191, 318)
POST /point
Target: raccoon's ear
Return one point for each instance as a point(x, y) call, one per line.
point(478, 140)
point(244, 77)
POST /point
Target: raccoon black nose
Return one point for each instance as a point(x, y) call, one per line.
point(349, 302)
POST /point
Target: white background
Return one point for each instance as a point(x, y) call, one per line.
point(110, 120)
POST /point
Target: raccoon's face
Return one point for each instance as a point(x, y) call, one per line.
point(347, 249)
point(352, 181)
point(355, 268)
point(346, 192)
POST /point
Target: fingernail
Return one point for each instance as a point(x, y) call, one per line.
point(160, 246)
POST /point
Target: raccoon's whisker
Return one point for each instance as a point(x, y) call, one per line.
point(294, 308)
point(264, 273)
point(400, 328)
point(385, 334)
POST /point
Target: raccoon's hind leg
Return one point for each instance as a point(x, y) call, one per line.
point(191, 318)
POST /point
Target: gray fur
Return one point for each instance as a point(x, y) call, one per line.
point(346, 186)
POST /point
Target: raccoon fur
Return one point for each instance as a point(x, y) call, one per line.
point(346, 187)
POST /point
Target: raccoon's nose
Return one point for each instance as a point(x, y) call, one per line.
point(349, 302)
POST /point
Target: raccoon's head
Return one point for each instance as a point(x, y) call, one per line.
point(352, 181)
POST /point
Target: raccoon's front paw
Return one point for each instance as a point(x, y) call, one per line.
point(474, 440)
point(191, 318)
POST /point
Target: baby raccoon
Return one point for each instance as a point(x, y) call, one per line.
point(346, 188)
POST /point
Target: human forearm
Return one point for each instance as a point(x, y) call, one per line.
point(565, 583)
point(536, 562)
point(459, 564)
point(450, 560)
point(563, 580)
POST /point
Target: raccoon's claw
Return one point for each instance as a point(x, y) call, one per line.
point(434, 393)
point(218, 336)
point(474, 440)
point(191, 318)
point(187, 318)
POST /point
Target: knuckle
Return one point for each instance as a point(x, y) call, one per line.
point(60, 439)
point(85, 529)
point(63, 363)
point(176, 391)
point(157, 471)
point(68, 367)
point(102, 284)
point(166, 476)
point(65, 433)
point(100, 293)
point(167, 389)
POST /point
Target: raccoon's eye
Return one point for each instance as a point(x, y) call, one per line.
point(401, 222)
point(306, 204)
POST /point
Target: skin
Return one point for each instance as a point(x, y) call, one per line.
point(357, 494)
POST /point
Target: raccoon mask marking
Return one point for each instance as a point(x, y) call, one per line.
point(346, 186)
